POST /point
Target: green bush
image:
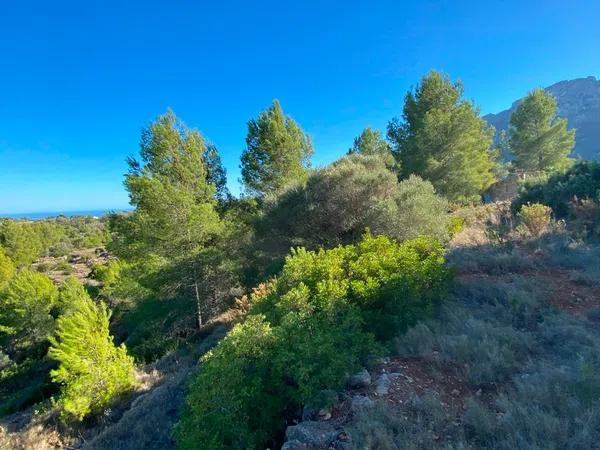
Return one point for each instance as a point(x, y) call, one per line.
point(536, 218)
point(71, 296)
point(338, 202)
point(64, 267)
point(153, 327)
point(25, 309)
point(456, 225)
point(7, 269)
point(92, 371)
point(287, 353)
point(582, 181)
point(106, 273)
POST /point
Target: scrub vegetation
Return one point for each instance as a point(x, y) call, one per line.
point(373, 303)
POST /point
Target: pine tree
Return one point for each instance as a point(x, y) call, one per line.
point(7, 269)
point(540, 142)
point(370, 142)
point(25, 309)
point(92, 370)
point(443, 140)
point(175, 216)
point(71, 294)
point(216, 173)
point(277, 152)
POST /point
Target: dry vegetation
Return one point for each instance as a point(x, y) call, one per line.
point(510, 361)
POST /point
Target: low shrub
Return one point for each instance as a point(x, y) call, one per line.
point(536, 218)
point(571, 194)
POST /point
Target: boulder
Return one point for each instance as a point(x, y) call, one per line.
point(294, 445)
point(361, 403)
point(308, 413)
point(312, 434)
point(383, 384)
point(360, 379)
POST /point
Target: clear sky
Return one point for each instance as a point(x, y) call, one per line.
point(80, 79)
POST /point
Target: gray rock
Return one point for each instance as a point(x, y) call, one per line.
point(308, 413)
point(294, 445)
point(312, 434)
point(360, 379)
point(361, 403)
point(383, 384)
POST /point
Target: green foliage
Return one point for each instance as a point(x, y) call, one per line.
point(287, 352)
point(582, 181)
point(24, 242)
point(536, 218)
point(442, 139)
point(175, 217)
point(25, 309)
point(370, 142)
point(221, 408)
point(21, 242)
point(92, 370)
point(456, 225)
point(216, 174)
point(539, 141)
point(153, 327)
point(7, 269)
point(277, 152)
point(24, 383)
point(339, 202)
point(71, 294)
point(106, 273)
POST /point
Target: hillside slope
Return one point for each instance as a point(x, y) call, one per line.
point(578, 101)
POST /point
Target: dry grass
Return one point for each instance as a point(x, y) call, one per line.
point(35, 437)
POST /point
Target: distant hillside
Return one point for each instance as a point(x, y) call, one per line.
point(579, 102)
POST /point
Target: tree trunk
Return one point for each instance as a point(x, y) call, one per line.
point(198, 305)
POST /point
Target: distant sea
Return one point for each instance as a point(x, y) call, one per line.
point(46, 215)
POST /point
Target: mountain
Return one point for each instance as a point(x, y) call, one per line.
point(578, 101)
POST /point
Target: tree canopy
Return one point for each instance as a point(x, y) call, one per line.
point(538, 139)
point(442, 139)
point(277, 152)
point(175, 216)
point(26, 307)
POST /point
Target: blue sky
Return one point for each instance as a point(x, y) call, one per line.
point(79, 80)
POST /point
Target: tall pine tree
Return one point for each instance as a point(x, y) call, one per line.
point(442, 139)
point(539, 141)
point(277, 152)
point(175, 216)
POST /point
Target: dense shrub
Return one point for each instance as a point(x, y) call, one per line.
point(92, 370)
point(582, 181)
point(7, 269)
point(25, 310)
point(153, 327)
point(536, 218)
point(339, 202)
point(71, 295)
point(106, 273)
point(287, 353)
